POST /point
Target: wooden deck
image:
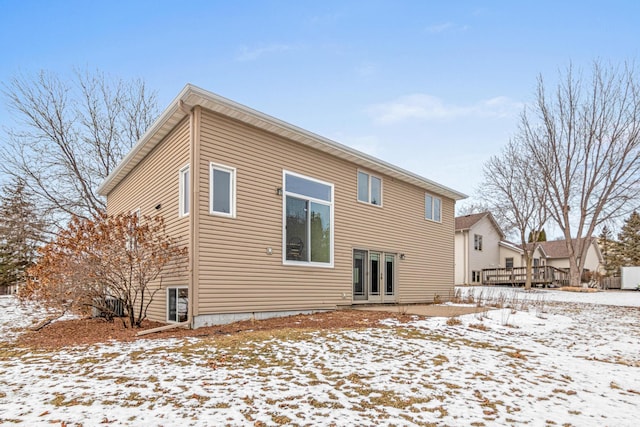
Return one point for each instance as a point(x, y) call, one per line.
point(545, 276)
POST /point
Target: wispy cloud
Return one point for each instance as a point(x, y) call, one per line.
point(251, 54)
point(366, 70)
point(446, 27)
point(421, 106)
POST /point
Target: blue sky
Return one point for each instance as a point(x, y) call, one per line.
point(435, 87)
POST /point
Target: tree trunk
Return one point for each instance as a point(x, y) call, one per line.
point(574, 267)
point(527, 283)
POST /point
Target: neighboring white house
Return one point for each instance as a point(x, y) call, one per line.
point(480, 244)
point(511, 255)
point(477, 246)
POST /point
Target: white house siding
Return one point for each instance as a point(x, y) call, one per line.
point(489, 256)
point(461, 257)
point(507, 252)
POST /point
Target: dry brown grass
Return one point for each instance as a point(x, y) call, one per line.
point(90, 331)
point(577, 289)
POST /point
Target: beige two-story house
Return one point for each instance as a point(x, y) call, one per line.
point(279, 220)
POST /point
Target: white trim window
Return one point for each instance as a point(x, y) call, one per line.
point(477, 242)
point(307, 221)
point(432, 208)
point(177, 304)
point(222, 190)
point(369, 189)
point(185, 195)
point(476, 276)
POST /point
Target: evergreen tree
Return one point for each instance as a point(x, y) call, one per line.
point(629, 238)
point(21, 231)
point(610, 249)
point(542, 236)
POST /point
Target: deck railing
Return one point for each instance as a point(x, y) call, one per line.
point(540, 276)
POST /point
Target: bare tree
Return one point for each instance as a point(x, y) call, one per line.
point(470, 207)
point(511, 188)
point(69, 136)
point(584, 139)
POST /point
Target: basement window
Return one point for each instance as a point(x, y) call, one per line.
point(177, 304)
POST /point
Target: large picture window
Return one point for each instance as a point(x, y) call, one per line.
point(369, 189)
point(223, 190)
point(433, 208)
point(308, 221)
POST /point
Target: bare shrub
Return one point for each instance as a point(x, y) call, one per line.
point(453, 321)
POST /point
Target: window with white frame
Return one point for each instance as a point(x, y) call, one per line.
point(177, 304)
point(433, 208)
point(477, 242)
point(223, 190)
point(476, 276)
point(184, 195)
point(308, 221)
point(369, 189)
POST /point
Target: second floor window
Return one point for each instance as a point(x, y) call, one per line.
point(477, 242)
point(432, 208)
point(223, 189)
point(369, 189)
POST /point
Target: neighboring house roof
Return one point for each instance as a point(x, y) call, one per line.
point(558, 248)
point(465, 222)
point(555, 248)
point(192, 96)
point(510, 245)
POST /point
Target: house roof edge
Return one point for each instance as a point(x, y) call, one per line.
point(191, 96)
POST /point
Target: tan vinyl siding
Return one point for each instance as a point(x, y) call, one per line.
point(155, 181)
point(237, 275)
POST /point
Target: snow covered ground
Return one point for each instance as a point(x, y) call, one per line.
point(559, 359)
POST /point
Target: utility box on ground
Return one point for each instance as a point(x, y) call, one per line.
point(630, 278)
